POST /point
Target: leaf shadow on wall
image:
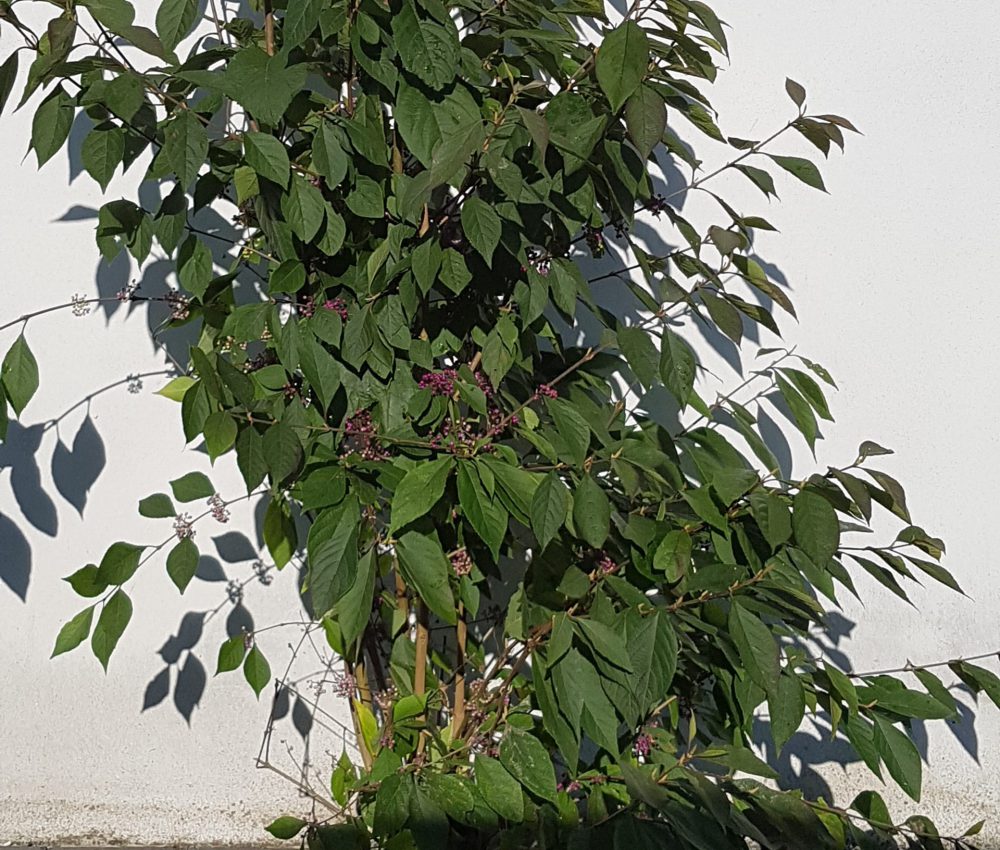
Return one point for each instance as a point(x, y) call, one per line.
point(74, 471)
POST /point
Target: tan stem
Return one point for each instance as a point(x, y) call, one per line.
point(461, 634)
point(268, 28)
point(366, 756)
point(420, 670)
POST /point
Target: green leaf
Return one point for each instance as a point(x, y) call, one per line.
point(290, 276)
point(529, 763)
point(810, 390)
point(500, 790)
point(572, 427)
point(185, 146)
point(392, 804)
point(74, 632)
point(900, 757)
point(263, 84)
point(303, 208)
point(191, 487)
point(8, 75)
point(549, 508)
point(174, 20)
point(419, 491)
point(279, 533)
point(220, 434)
point(182, 563)
point(267, 156)
point(101, 153)
point(426, 569)
point(157, 506)
point(282, 451)
point(256, 670)
point(645, 119)
point(366, 200)
point(328, 155)
point(482, 227)
point(756, 646)
point(51, 124)
point(428, 50)
point(677, 366)
point(591, 512)
point(621, 62)
point(814, 522)
point(801, 410)
point(802, 168)
point(332, 548)
point(795, 91)
point(110, 626)
point(640, 352)
point(194, 267)
point(119, 563)
point(86, 582)
point(19, 374)
point(772, 516)
point(485, 514)
point(175, 389)
point(301, 18)
point(673, 555)
point(786, 706)
point(231, 654)
point(286, 826)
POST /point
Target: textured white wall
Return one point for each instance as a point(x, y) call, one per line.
point(891, 277)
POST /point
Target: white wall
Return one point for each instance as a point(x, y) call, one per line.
point(891, 274)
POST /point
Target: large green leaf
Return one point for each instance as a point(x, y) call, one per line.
point(174, 20)
point(482, 226)
point(525, 758)
point(425, 568)
point(427, 49)
point(264, 85)
point(419, 491)
point(332, 548)
point(19, 374)
point(267, 156)
point(591, 512)
point(50, 126)
point(900, 756)
point(756, 646)
point(622, 61)
point(549, 508)
point(115, 616)
point(817, 531)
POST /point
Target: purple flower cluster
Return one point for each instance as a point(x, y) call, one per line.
point(545, 391)
point(180, 305)
point(439, 383)
point(338, 307)
point(461, 563)
point(183, 527)
point(606, 564)
point(642, 746)
point(344, 685)
point(220, 513)
point(307, 307)
point(360, 438)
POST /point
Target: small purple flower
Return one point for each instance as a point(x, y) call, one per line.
point(642, 746)
point(338, 307)
point(183, 527)
point(439, 383)
point(80, 305)
point(220, 513)
point(461, 563)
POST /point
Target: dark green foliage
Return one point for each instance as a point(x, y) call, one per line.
point(419, 189)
